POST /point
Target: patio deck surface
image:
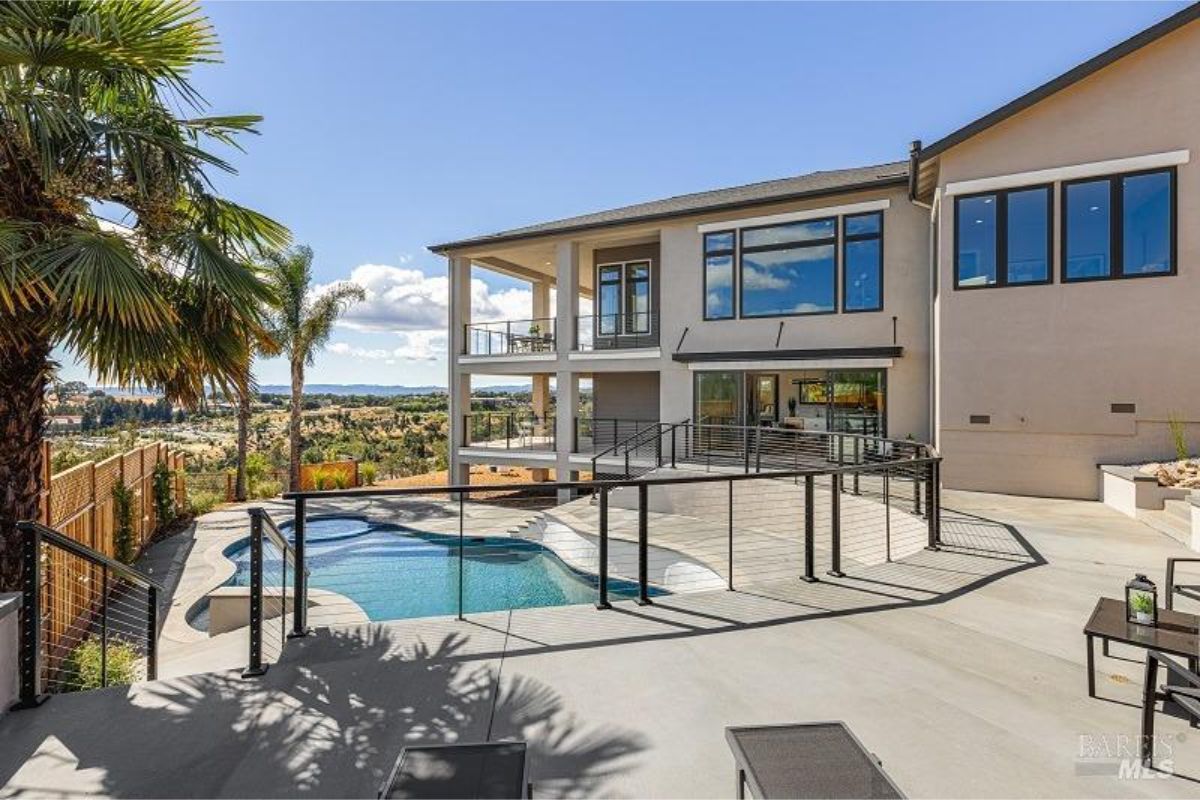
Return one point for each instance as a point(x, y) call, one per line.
point(962, 670)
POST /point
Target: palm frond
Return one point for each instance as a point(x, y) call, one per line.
point(324, 313)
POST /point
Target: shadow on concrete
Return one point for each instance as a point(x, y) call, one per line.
point(327, 722)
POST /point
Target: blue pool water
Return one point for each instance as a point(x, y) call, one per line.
point(398, 573)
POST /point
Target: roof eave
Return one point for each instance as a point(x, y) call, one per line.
point(443, 249)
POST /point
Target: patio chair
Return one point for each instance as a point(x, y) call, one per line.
point(1180, 697)
point(1191, 591)
point(477, 770)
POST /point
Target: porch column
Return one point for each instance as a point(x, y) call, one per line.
point(541, 404)
point(566, 403)
point(566, 398)
point(543, 313)
point(459, 385)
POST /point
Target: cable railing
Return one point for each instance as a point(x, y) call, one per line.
point(273, 561)
point(87, 621)
point(595, 434)
point(510, 337)
point(473, 549)
point(617, 331)
point(509, 430)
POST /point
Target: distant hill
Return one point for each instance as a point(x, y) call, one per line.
point(378, 390)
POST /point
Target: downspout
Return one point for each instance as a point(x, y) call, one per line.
point(914, 164)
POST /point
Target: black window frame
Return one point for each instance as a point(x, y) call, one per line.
point(734, 270)
point(766, 248)
point(1001, 199)
point(841, 257)
point(1116, 226)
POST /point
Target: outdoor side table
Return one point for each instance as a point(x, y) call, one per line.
point(484, 770)
point(1176, 634)
point(813, 759)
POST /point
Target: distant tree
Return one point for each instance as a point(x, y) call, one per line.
point(301, 324)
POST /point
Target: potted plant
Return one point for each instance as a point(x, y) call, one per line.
point(1141, 601)
point(1143, 609)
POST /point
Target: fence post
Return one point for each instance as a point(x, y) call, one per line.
point(507, 431)
point(643, 544)
point(46, 477)
point(916, 481)
point(730, 580)
point(930, 507)
point(835, 524)
point(602, 570)
point(151, 633)
point(300, 588)
point(255, 667)
point(887, 514)
point(858, 460)
point(31, 621)
point(758, 449)
point(673, 437)
point(809, 532)
point(746, 448)
point(461, 501)
point(103, 625)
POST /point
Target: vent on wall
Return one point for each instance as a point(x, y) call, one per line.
point(1123, 408)
point(981, 419)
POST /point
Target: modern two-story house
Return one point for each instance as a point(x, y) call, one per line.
point(1024, 294)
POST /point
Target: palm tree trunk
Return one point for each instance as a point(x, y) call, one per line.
point(24, 369)
point(243, 440)
point(294, 425)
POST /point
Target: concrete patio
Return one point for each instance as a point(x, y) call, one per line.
point(962, 670)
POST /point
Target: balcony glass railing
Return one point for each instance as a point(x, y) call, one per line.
point(510, 337)
point(617, 331)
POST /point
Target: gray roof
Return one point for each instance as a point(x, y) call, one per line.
point(814, 184)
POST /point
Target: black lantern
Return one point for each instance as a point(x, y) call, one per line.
point(1141, 601)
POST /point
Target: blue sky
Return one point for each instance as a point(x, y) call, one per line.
point(391, 126)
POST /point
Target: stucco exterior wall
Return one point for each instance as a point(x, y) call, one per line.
point(1046, 362)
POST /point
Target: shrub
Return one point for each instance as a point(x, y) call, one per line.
point(202, 501)
point(123, 544)
point(81, 668)
point(265, 489)
point(321, 479)
point(1178, 436)
point(341, 479)
point(367, 473)
point(164, 497)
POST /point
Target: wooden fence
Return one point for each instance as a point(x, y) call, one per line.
point(79, 503)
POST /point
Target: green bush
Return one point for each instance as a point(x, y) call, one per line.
point(123, 544)
point(202, 502)
point(265, 489)
point(341, 479)
point(1178, 436)
point(81, 668)
point(164, 497)
point(367, 472)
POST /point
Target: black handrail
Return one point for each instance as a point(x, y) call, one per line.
point(262, 526)
point(32, 613)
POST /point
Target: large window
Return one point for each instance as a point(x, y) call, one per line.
point(718, 274)
point(789, 269)
point(862, 262)
point(1119, 227)
point(718, 398)
point(1003, 238)
point(623, 299)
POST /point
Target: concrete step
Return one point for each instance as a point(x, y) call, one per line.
point(1167, 523)
point(1178, 508)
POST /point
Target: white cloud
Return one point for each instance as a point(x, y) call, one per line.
point(415, 346)
point(403, 299)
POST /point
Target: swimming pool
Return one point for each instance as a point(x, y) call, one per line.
point(393, 572)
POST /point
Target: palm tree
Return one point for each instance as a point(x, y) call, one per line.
point(96, 111)
point(301, 325)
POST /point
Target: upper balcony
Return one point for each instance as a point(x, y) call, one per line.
point(592, 332)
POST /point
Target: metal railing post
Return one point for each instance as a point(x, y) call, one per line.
point(858, 460)
point(643, 544)
point(746, 448)
point(835, 525)
point(809, 532)
point(31, 622)
point(151, 633)
point(103, 626)
point(887, 515)
point(508, 431)
point(256, 666)
point(461, 501)
point(300, 589)
point(930, 507)
point(758, 449)
point(602, 566)
point(673, 438)
point(730, 580)
point(916, 481)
